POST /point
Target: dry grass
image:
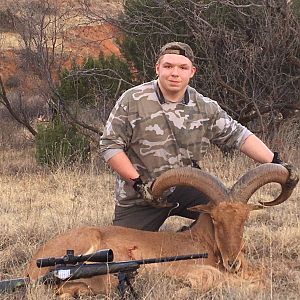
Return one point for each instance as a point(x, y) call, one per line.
point(37, 203)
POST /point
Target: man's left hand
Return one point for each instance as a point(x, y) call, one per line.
point(293, 172)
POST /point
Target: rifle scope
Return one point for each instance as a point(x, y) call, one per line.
point(105, 255)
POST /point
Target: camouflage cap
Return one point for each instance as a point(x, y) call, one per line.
point(177, 48)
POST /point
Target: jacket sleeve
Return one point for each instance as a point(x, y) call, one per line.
point(117, 131)
point(225, 130)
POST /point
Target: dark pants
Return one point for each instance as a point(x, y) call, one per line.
point(151, 218)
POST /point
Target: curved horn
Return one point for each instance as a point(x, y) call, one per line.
point(249, 183)
point(208, 184)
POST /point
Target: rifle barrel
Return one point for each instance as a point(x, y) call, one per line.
point(171, 258)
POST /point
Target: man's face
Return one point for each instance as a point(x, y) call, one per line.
point(174, 72)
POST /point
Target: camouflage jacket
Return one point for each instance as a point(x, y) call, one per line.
point(158, 136)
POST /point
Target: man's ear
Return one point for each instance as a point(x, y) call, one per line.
point(207, 208)
point(193, 71)
point(157, 69)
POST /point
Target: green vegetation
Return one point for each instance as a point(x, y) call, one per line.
point(60, 144)
point(93, 82)
point(94, 85)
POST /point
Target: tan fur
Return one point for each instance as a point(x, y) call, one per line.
point(218, 231)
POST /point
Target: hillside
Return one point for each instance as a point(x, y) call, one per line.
point(82, 37)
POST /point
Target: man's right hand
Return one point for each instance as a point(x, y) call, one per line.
point(144, 189)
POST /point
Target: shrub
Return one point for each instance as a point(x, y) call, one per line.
point(7, 21)
point(60, 144)
point(95, 84)
point(12, 82)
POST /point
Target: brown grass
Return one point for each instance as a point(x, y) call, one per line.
point(37, 203)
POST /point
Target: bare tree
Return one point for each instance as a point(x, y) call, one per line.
point(247, 51)
point(41, 26)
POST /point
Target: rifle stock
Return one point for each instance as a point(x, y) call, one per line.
point(9, 285)
point(90, 270)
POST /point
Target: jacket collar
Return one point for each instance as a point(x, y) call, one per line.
point(161, 98)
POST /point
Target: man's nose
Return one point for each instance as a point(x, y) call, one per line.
point(175, 71)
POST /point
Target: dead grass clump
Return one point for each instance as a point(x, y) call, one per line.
point(286, 243)
point(286, 281)
point(237, 292)
point(14, 139)
point(17, 162)
point(38, 292)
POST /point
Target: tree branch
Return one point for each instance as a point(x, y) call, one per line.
point(5, 101)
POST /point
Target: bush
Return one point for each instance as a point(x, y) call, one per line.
point(7, 21)
point(60, 144)
point(12, 82)
point(95, 84)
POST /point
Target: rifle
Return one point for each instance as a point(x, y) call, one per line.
point(10, 285)
point(69, 267)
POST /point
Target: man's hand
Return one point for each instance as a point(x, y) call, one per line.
point(293, 172)
point(144, 189)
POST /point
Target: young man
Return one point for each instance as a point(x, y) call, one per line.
point(165, 124)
